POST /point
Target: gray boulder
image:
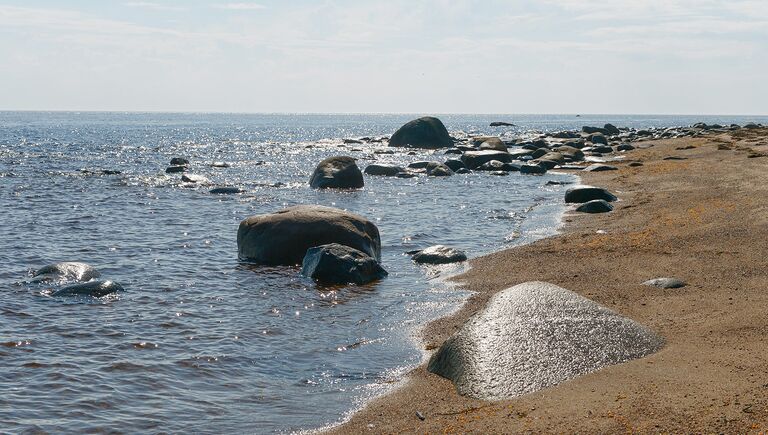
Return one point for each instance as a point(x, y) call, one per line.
point(588, 193)
point(179, 161)
point(226, 190)
point(611, 129)
point(591, 130)
point(282, 238)
point(493, 143)
point(196, 179)
point(473, 159)
point(501, 124)
point(436, 169)
point(439, 254)
point(533, 169)
point(338, 172)
point(66, 271)
point(595, 206)
point(665, 283)
point(625, 147)
point(339, 264)
point(383, 170)
point(597, 138)
point(94, 289)
point(426, 132)
point(455, 164)
point(536, 335)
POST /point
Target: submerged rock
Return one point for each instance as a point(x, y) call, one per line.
point(383, 170)
point(595, 206)
point(226, 190)
point(665, 283)
point(536, 335)
point(435, 169)
point(426, 132)
point(197, 179)
point(338, 172)
point(339, 264)
point(533, 169)
point(439, 254)
point(501, 124)
point(66, 271)
point(588, 193)
point(474, 159)
point(282, 238)
point(179, 161)
point(94, 289)
point(175, 169)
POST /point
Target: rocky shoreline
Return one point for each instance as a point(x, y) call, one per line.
point(690, 201)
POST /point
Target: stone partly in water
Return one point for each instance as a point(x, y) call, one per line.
point(533, 169)
point(436, 169)
point(383, 170)
point(193, 178)
point(501, 124)
point(439, 254)
point(588, 193)
point(226, 190)
point(474, 159)
point(282, 238)
point(665, 283)
point(94, 289)
point(338, 172)
point(174, 169)
point(66, 271)
point(339, 264)
point(536, 335)
point(455, 164)
point(598, 138)
point(179, 161)
point(426, 132)
point(595, 206)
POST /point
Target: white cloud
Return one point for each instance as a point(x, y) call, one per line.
point(242, 6)
point(153, 6)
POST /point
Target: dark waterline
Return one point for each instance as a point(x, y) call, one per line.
point(199, 342)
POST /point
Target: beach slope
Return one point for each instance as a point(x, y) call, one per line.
point(702, 217)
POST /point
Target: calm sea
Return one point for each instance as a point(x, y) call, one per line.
point(199, 342)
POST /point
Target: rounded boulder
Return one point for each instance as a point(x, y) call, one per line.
point(283, 238)
point(339, 264)
point(426, 132)
point(338, 172)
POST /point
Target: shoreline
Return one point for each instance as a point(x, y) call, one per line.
point(686, 218)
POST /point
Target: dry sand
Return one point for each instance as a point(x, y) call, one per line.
point(704, 220)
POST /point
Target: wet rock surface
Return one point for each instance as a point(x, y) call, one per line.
point(535, 335)
point(340, 172)
point(588, 193)
point(95, 289)
point(595, 206)
point(66, 271)
point(439, 254)
point(426, 132)
point(339, 264)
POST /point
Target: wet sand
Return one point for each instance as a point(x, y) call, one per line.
point(703, 219)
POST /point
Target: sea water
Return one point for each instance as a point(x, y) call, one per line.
point(199, 342)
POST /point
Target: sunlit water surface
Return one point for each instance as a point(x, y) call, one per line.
point(199, 342)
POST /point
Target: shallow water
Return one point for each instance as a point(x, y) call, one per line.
point(199, 342)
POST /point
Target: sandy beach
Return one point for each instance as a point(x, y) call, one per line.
point(701, 217)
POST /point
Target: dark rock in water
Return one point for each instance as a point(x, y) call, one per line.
point(533, 336)
point(520, 153)
point(455, 164)
point(597, 138)
point(539, 153)
point(587, 193)
point(435, 169)
point(499, 173)
point(282, 238)
point(226, 190)
point(338, 172)
point(439, 254)
point(565, 135)
point(592, 130)
point(474, 159)
point(66, 271)
point(635, 164)
point(339, 264)
point(751, 126)
point(352, 141)
point(570, 152)
point(665, 283)
point(463, 171)
point(453, 151)
point(179, 161)
point(625, 147)
point(511, 167)
point(383, 170)
point(220, 165)
point(175, 169)
point(426, 132)
point(197, 179)
point(595, 206)
point(419, 165)
point(611, 129)
point(94, 289)
point(533, 169)
point(501, 124)
point(547, 163)
point(406, 174)
point(597, 167)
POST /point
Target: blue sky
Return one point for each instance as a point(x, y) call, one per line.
point(438, 56)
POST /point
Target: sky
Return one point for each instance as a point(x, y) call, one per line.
point(389, 56)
